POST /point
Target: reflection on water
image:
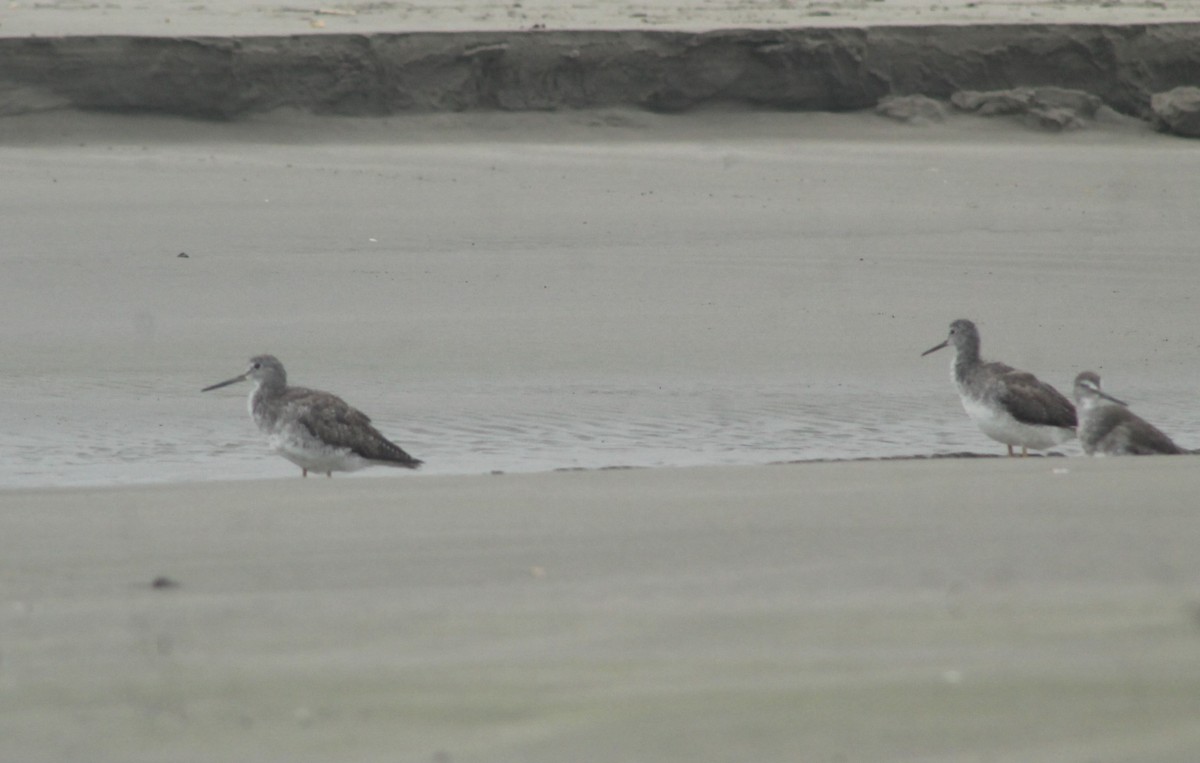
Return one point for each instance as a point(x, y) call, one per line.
point(127, 435)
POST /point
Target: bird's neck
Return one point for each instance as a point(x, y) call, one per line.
point(966, 362)
point(1091, 403)
point(260, 409)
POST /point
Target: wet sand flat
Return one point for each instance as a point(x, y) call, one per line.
point(531, 292)
point(523, 293)
point(1038, 609)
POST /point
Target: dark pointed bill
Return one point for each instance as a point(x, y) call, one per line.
point(225, 383)
point(936, 348)
point(1107, 396)
point(1093, 385)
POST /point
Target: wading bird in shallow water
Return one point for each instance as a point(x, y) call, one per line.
point(1010, 406)
point(315, 430)
point(1108, 428)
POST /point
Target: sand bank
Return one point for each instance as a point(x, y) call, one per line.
point(957, 611)
point(227, 59)
point(805, 68)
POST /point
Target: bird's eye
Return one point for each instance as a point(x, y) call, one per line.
point(257, 366)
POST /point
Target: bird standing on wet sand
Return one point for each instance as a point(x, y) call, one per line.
point(315, 430)
point(1108, 428)
point(1010, 406)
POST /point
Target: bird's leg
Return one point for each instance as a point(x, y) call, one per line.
point(1024, 451)
point(1010, 452)
point(328, 475)
point(304, 472)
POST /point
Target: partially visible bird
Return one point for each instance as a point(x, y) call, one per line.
point(315, 430)
point(1010, 406)
point(1108, 428)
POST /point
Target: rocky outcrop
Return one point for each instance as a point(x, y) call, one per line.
point(1050, 108)
point(797, 69)
point(911, 109)
point(1178, 111)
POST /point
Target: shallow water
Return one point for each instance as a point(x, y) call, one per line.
point(72, 434)
point(646, 292)
point(62, 439)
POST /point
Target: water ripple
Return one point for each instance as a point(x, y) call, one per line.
point(60, 438)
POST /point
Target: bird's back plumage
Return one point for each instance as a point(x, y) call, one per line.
point(337, 424)
point(1117, 431)
point(1032, 401)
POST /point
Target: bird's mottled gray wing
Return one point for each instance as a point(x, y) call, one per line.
point(1100, 429)
point(1124, 432)
point(335, 422)
point(1032, 401)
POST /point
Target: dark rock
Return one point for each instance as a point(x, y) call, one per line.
point(912, 109)
point(1178, 111)
point(1054, 119)
point(1050, 108)
point(996, 103)
point(1084, 105)
point(17, 98)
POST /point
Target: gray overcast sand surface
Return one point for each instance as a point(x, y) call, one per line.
point(526, 293)
point(968, 610)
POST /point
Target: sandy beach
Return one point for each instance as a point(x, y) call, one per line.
point(609, 333)
point(526, 293)
point(1038, 609)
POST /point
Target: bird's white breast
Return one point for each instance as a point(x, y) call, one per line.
point(999, 424)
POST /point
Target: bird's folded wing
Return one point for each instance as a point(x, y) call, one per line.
point(338, 424)
point(1032, 401)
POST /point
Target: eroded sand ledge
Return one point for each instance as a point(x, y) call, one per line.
point(810, 69)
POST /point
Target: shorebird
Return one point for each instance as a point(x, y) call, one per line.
point(1108, 428)
point(315, 430)
point(1010, 406)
